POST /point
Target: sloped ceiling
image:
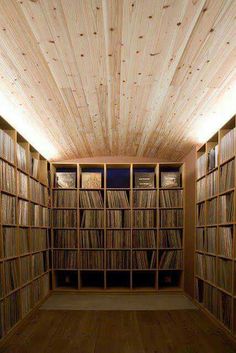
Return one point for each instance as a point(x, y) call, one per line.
point(115, 77)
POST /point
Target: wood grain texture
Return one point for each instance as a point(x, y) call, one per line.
point(117, 77)
point(119, 332)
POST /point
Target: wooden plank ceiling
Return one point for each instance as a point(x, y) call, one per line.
point(117, 77)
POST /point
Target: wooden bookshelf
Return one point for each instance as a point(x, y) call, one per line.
point(215, 250)
point(20, 248)
point(109, 274)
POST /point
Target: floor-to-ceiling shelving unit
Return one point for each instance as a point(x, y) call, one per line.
point(24, 228)
point(215, 252)
point(114, 267)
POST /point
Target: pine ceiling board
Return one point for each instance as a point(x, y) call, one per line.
point(194, 93)
point(86, 29)
point(197, 92)
point(47, 22)
point(117, 77)
point(172, 32)
point(20, 44)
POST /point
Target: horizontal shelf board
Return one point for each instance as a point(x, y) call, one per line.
point(53, 188)
point(13, 164)
point(92, 208)
point(201, 177)
point(64, 208)
point(23, 171)
point(212, 170)
point(91, 189)
point(170, 249)
point(144, 208)
point(226, 191)
point(227, 160)
point(9, 193)
point(170, 188)
point(145, 189)
point(230, 258)
point(170, 269)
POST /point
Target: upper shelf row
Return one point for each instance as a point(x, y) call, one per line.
point(117, 176)
point(15, 150)
point(218, 150)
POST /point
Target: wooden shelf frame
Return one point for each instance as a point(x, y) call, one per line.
point(203, 150)
point(157, 167)
point(38, 285)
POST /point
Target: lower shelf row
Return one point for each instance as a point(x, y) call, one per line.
point(217, 302)
point(70, 279)
point(17, 305)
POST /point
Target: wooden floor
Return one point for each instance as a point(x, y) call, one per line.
point(185, 331)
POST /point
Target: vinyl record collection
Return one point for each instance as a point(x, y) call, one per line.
point(91, 239)
point(6, 146)
point(119, 259)
point(212, 184)
point(12, 275)
point(18, 264)
point(225, 274)
point(91, 199)
point(8, 209)
point(213, 158)
point(65, 259)
point(118, 219)
point(21, 157)
point(144, 198)
point(24, 240)
point(210, 269)
point(216, 239)
point(212, 211)
point(92, 219)
point(117, 199)
point(65, 198)
point(200, 239)
point(201, 189)
point(22, 184)
point(171, 218)
point(227, 145)
point(201, 166)
point(226, 206)
point(39, 263)
point(34, 166)
point(143, 260)
point(65, 238)
point(26, 300)
point(210, 240)
point(171, 198)
point(23, 207)
point(144, 219)
point(7, 177)
point(171, 259)
point(10, 236)
point(144, 239)
point(65, 218)
point(201, 214)
point(227, 175)
point(92, 259)
point(171, 238)
point(226, 241)
point(38, 192)
point(118, 239)
point(26, 266)
point(39, 239)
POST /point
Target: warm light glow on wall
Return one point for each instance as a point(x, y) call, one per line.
point(19, 120)
point(221, 112)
